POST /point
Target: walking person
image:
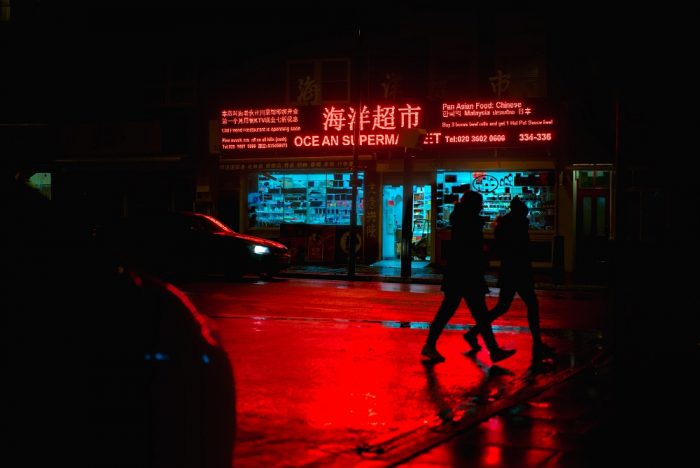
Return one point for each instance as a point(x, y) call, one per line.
point(513, 247)
point(464, 279)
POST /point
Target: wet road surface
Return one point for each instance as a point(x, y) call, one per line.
point(329, 372)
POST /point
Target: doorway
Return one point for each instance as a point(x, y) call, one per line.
point(392, 219)
point(593, 225)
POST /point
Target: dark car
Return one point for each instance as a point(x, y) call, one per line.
point(188, 243)
point(102, 365)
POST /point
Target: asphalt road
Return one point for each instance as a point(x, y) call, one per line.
point(330, 372)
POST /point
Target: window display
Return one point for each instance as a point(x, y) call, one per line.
point(320, 198)
point(535, 188)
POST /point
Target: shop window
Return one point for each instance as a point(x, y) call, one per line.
point(311, 82)
point(587, 219)
point(586, 179)
point(535, 188)
point(602, 179)
point(601, 216)
point(298, 198)
point(593, 179)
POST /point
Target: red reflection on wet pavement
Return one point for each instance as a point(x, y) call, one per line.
point(317, 372)
point(492, 456)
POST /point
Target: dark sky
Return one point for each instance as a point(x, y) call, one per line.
point(644, 52)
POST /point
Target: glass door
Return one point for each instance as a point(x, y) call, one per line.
point(392, 220)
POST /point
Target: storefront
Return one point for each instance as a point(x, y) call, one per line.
point(438, 185)
point(536, 187)
point(294, 171)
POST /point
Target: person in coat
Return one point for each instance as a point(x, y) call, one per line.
point(464, 279)
point(516, 276)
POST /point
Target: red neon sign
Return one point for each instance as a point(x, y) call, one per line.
point(473, 123)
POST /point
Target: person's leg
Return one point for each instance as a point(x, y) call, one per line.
point(477, 306)
point(448, 307)
point(539, 349)
point(505, 299)
point(529, 297)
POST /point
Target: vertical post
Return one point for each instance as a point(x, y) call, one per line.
point(407, 221)
point(352, 242)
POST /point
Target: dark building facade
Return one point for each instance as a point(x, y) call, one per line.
point(137, 126)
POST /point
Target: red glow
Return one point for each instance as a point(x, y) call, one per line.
point(218, 223)
point(389, 117)
point(201, 320)
point(478, 123)
point(365, 139)
point(494, 123)
point(495, 424)
point(138, 281)
point(492, 455)
point(272, 128)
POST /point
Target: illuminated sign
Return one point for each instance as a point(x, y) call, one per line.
point(256, 129)
point(319, 129)
point(495, 123)
point(315, 127)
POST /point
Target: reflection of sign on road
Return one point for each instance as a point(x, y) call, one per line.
point(345, 240)
point(485, 183)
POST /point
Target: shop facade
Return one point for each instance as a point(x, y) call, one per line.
point(292, 169)
point(437, 186)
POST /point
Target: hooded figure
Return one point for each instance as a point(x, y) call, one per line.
point(513, 245)
point(464, 279)
point(466, 263)
point(513, 248)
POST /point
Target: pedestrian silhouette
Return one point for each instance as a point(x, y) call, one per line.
point(513, 248)
point(464, 278)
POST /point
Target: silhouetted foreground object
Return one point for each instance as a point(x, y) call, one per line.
point(513, 248)
point(103, 366)
point(464, 278)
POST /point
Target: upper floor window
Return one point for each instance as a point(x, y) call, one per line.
point(312, 82)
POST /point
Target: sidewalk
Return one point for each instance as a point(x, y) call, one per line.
point(422, 273)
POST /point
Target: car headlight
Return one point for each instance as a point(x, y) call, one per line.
point(260, 250)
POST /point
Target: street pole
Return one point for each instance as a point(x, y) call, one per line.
point(408, 138)
point(352, 241)
point(407, 218)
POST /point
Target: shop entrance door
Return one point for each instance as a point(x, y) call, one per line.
point(592, 232)
point(392, 214)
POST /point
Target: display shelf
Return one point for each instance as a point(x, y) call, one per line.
point(535, 188)
point(315, 198)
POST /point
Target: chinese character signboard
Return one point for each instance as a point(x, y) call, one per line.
point(332, 129)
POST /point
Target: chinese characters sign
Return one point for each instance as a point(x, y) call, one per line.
point(246, 130)
point(319, 129)
point(256, 129)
